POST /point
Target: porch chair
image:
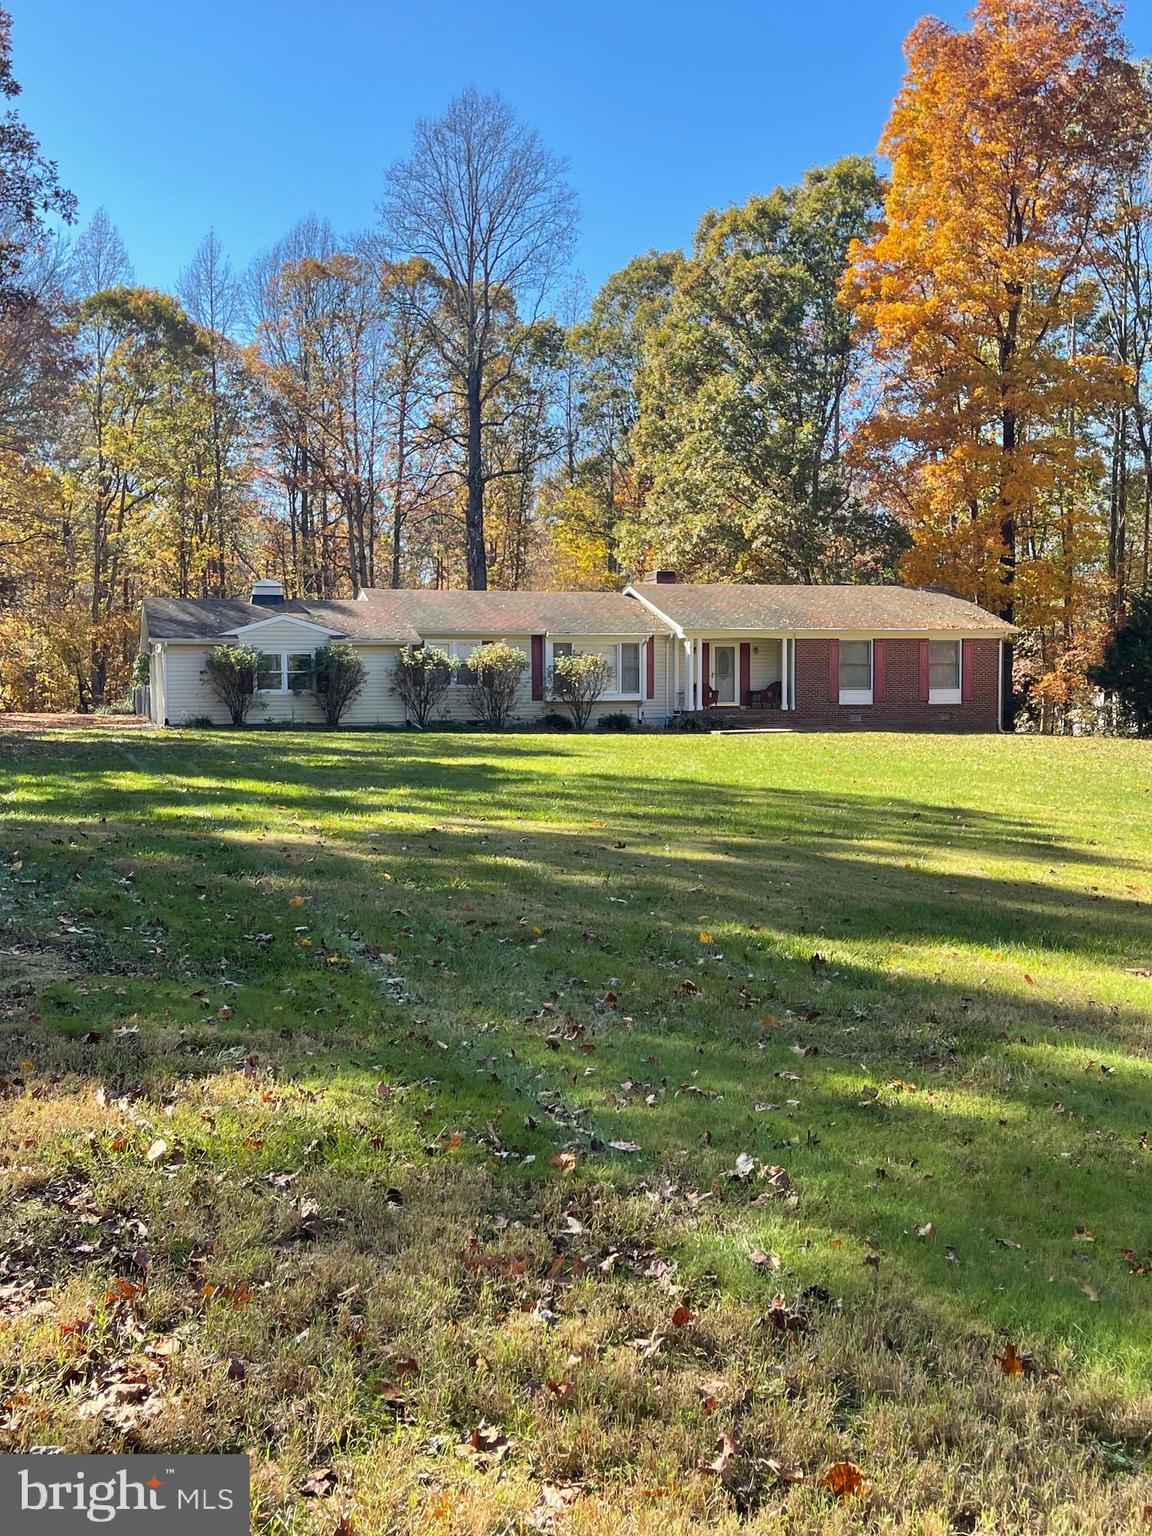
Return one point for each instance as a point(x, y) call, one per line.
point(765, 698)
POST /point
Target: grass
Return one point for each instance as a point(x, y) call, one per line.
point(378, 1105)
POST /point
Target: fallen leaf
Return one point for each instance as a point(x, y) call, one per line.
point(319, 1484)
point(1013, 1364)
point(762, 1259)
point(844, 1479)
point(727, 1450)
point(485, 1445)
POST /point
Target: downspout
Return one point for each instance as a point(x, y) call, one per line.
point(1000, 690)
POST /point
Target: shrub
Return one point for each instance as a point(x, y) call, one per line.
point(199, 723)
point(421, 678)
point(231, 672)
point(578, 682)
point(555, 721)
point(141, 670)
point(337, 676)
point(616, 720)
point(496, 672)
point(1126, 669)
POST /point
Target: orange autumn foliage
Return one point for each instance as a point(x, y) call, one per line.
point(1005, 142)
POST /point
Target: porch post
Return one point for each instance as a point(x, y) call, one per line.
point(785, 679)
point(688, 703)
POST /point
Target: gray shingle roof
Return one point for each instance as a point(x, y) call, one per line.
point(209, 618)
point(870, 609)
point(438, 612)
point(407, 617)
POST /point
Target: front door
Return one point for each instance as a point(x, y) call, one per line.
point(724, 673)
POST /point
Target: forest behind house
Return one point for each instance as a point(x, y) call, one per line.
point(933, 366)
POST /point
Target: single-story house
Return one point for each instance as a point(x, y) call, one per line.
point(826, 656)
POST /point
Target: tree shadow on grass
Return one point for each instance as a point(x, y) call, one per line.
point(1022, 1141)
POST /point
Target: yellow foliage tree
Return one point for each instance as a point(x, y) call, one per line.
point(1005, 141)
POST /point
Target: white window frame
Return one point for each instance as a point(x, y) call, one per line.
point(456, 649)
point(947, 695)
point(614, 653)
point(283, 655)
point(858, 695)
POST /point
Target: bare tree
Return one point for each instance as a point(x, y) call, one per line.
point(486, 205)
point(210, 294)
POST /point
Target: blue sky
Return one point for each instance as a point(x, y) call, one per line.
point(248, 114)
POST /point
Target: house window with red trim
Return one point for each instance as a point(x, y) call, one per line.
point(945, 666)
point(855, 671)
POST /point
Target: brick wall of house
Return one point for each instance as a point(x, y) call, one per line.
point(901, 708)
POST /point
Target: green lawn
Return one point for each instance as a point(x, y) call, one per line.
point(359, 1091)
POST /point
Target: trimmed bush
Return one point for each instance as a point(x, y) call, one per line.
point(555, 721)
point(496, 672)
point(420, 679)
point(578, 682)
point(231, 672)
point(616, 720)
point(337, 676)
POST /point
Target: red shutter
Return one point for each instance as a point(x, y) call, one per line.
point(834, 671)
point(924, 672)
point(745, 671)
point(705, 670)
point(537, 666)
point(967, 669)
point(879, 671)
point(650, 664)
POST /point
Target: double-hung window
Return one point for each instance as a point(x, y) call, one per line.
point(461, 652)
point(629, 670)
point(623, 658)
point(270, 673)
point(945, 663)
point(283, 671)
point(855, 671)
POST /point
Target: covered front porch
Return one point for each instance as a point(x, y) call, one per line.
point(735, 672)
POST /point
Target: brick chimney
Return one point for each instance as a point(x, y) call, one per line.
point(662, 578)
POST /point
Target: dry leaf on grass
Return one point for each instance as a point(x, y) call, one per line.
point(844, 1479)
point(1013, 1364)
point(484, 1446)
point(727, 1451)
point(553, 1500)
point(319, 1484)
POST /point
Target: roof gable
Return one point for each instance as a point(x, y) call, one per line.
point(277, 617)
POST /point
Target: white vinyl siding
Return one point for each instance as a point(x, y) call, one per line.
point(855, 671)
point(188, 695)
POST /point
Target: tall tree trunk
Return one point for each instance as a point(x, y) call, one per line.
point(475, 551)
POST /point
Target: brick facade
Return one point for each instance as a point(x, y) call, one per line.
point(901, 707)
